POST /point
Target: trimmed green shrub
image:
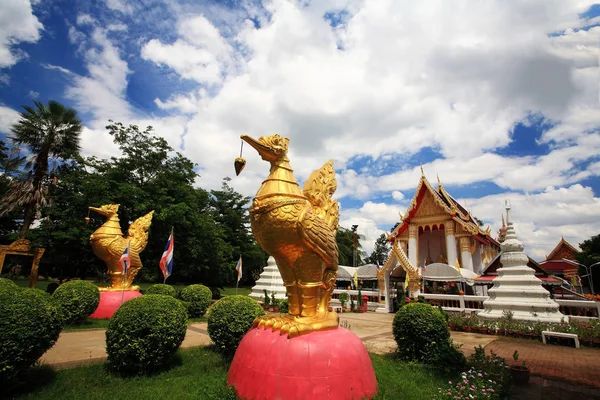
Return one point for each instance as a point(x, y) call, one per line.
point(30, 322)
point(416, 327)
point(199, 297)
point(284, 306)
point(8, 284)
point(77, 300)
point(229, 319)
point(161, 288)
point(145, 333)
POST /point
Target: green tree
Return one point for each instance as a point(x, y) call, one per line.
point(50, 133)
point(589, 255)
point(345, 241)
point(231, 213)
point(149, 176)
point(380, 252)
point(8, 224)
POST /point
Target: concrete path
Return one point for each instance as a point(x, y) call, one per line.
point(85, 346)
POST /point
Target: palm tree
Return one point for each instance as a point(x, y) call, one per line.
point(48, 132)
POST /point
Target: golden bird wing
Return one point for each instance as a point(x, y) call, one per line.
point(317, 235)
point(318, 189)
point(137, 233)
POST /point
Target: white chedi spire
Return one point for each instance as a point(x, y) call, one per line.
point(517, 289)
point(271, 281)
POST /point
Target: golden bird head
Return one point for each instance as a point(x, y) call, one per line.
point(107, 210)
point(270, 148)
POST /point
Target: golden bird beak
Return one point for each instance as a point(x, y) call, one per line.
point(266, 153)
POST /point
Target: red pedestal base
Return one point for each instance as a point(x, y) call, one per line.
point(111, 301)
point(331, 364)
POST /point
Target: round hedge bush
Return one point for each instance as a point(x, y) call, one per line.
point(229, 319)
point(8, 284)
point(144, 334)
point(416, 327)
point(161, 288)
point(77, 300)
point(30, 322)
point(198, 297)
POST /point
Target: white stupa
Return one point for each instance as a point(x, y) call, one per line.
point(516, 288)
point(270, 279)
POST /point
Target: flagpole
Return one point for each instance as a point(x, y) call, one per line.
point(124, 279)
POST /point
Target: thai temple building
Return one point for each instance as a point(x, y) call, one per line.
point(516, 288)
point(435, 229)
point(555, 262)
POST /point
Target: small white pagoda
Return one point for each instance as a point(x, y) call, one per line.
point(271, 280)
point(517, 289)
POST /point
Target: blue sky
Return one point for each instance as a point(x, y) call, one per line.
point(498, 100)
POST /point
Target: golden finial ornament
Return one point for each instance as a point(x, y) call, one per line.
point(297, 227)
point(422, 173)
point(109, 244)
point(239, 162)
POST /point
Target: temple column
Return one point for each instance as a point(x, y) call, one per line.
point(465, 253)
point(477, 264)
point(450, 242)
point(412, 244)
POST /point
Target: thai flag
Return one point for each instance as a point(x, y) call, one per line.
point(238, 268)
point(166, 261)
point(125, 260)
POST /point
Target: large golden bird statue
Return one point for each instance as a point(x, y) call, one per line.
point(109, 244)
point(298, 228)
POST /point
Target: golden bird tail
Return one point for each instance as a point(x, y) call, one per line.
point(318, 189)
point(138, 233)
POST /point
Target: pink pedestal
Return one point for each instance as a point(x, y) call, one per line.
point(111, 301)
point(331, 364)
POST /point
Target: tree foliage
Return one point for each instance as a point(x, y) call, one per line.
point(149, 175)
point(589, 255)
point(231, 213)
point(380, 252)
point(345, 241)
point(50, 133)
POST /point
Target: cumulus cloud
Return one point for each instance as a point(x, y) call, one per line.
point(8, 117)
point(17, 24)
point(386, 81)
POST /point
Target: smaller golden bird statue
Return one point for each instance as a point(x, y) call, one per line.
point(109, 244)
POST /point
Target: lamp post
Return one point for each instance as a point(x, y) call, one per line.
point(588, 271)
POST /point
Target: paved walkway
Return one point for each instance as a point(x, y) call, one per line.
point(577, 369)
point(85, 346)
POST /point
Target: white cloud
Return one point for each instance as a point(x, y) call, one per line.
point(392, 79)
point(17, 24)
point(119, 5)
point(201, 54)
point(396, 195)
point(33, 94)
point(8, 117)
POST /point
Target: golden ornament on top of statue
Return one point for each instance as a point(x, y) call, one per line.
point(298, 228)
point(109, 244)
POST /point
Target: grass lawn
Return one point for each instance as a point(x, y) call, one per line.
point(201, 373)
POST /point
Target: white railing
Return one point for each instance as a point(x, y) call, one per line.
point(455, 302)
point(574, 309)
point(579, 309)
